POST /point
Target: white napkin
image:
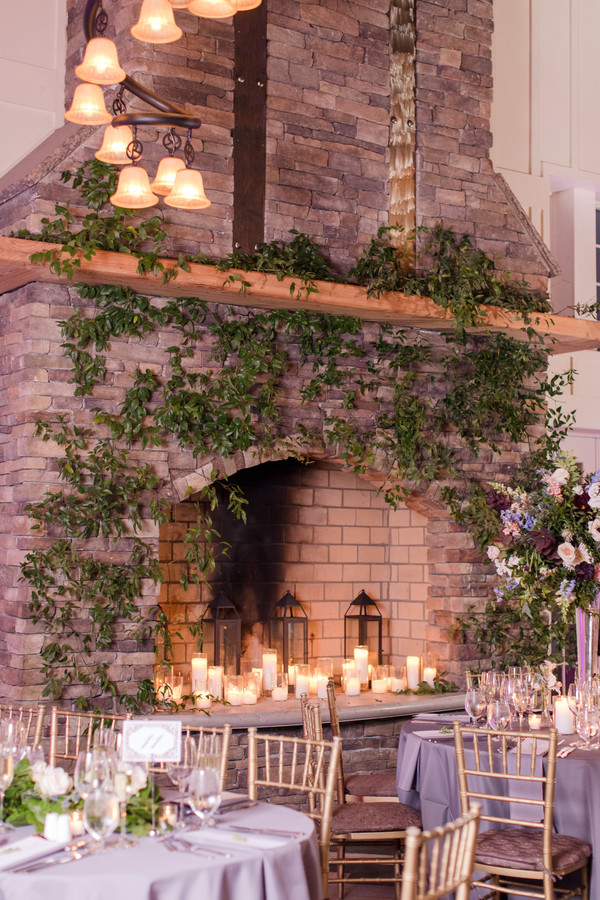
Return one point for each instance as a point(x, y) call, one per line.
point(541, 747)
point(26, 850)
point(234, 838)
point(442, 717)
point(435, 733)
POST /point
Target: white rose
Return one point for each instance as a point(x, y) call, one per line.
point(493, 552)
point(37, 770)
point(594, 529)
point(54, 782)
point(129, 779)
point(139, 779)
point(578, 489)
point(560, 476)
point(568, 554)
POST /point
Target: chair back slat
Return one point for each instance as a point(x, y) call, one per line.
point(72, 731)
point(30, 717)
point(197, 731)
point(440, 862)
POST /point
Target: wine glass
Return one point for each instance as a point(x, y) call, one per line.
point(498, 715)
point(179, 772)
point(475, 704)
point(521, 698)
point(204, 793)
point(587, 721)
point(6, 777)
point(93, 770)
point(124, 783)
point(100, 815)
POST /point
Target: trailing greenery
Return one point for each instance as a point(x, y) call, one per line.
point(415, 395)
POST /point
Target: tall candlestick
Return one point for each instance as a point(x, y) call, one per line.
point(352, 686)
point(361, 656)
point(413, 667)
point(564, 720)
point(302, 684)
point(269, 665)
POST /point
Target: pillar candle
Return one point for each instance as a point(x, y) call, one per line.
point(291, 674)
point(379, 685)
point(202, 700)
point(235, 696)
point(361, 656)
point(352, 686)
point(199, 672)
point(249, 697)
point(413, 665)
point(322, 687)
point(215, 681)
point(302, 685)
point(269, 660)
point(279, 693)
point(564, 720)
point(398, 684)
point(313, 684)
point(534, 722)
point(429, 673)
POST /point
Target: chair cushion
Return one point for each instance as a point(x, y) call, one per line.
point(520, 848)
point(374, 784)
point(373, 817)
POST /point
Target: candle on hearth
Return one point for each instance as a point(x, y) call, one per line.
point(564, 720)
point(379, 680)
point(313, 682)
point(199, 672)
point(429, 673)
point(249, 697)
point(203, 700)
point(352, 686)
point(302, 681)
point(413, 671)
point(398, 679)
point(361, 656)
point(280, 688)
point(215, 681)
point(291, 674)
point(269, 666)
point(234, 696)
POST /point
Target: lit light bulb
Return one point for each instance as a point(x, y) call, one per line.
point(133, 190)
point(188, 191)
point(213, 9)
point(167, 170)
point(156, 24)
point(114, 145)
point(100, 63)
point(88, 107)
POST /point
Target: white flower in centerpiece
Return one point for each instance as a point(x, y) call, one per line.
point(594, 495)
point(578, 490)
point(594, 529)
point(493, 552)
point(584, 553)
point(37, 770)
point(54, 782)
point(568, 554)
point(560, 476)
point(129, 779)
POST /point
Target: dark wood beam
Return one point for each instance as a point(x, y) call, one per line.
point(250, 127)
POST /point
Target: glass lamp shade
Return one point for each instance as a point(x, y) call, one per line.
point(213, 9)
point(156, 24)
point(114, 145)
point(88, 107)
point(168, 168)
point(241, 5)
point(100, 64)
point(188, 191)
point(133, 190)
point(179, 4)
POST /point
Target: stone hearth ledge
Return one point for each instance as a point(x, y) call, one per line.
point(269, 714)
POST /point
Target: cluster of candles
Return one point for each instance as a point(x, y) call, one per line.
point(211, 683)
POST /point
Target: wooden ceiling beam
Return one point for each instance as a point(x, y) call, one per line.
point(264, 291)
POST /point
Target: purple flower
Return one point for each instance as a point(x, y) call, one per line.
point(497, 500)
point(584, 572)
point(544, 542)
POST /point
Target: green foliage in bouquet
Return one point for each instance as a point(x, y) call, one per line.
point(24, 805)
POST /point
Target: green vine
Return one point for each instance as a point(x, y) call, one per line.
point(88, 595)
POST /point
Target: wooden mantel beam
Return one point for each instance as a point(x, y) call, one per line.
point(266, 292)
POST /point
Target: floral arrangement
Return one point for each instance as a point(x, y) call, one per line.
point(548, 549)
point(38, 788)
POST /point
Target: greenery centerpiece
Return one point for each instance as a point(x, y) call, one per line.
point(547, 552)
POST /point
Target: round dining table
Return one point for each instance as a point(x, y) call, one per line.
point(426, 778)
point(265, 852)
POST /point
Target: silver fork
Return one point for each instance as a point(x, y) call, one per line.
point(179, 845)
point(566, 750)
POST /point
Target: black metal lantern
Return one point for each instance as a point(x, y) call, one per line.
point(223, 634)
point(288, 631)
point(363, 627)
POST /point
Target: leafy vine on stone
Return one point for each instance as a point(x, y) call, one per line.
point(494, 389)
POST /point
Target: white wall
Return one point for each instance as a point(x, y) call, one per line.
point(546, 125)
point(32, 74)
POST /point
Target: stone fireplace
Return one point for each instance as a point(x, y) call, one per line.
point(330, 533)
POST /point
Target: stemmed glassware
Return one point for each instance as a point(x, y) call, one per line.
point(180, 772)
point(124, 782)
point(6, 777)
point(93, 771)
point(204, 793)
point(100, 815)
point(498, 715)
point(587, 722)
point(475, 704)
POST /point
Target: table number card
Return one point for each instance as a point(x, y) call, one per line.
point(151, 741)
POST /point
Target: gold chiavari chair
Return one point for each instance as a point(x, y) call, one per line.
point(376, 824)
point(440, 862)
point(374, 787)
point(196, 731)
point(30, 717)
point(299, 767)
point(518, 852)
point(72, 732)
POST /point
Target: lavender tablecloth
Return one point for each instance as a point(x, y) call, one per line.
point(149, 871)
point(426, 779)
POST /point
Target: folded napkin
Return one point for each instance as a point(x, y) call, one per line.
point(434, 734)
point(541, 747)
point(27, 849)
point(442, 718)
point(234, 838)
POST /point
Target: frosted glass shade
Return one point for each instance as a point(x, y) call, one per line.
point(212, 9)
point(188, 191)
point(164, 180)
point(241, 5)
point(114, 145)
point(100, 63)
point(179, 4)
point(156, 24)
point(133, 190)
point(88, 106)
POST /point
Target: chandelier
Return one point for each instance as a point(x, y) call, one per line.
point(176, 180)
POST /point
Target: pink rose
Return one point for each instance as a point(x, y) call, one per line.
point(560, 476)
point(568, 554)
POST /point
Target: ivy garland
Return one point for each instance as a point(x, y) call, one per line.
point(493, 390)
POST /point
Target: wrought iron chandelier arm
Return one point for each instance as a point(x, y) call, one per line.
point(164, 106)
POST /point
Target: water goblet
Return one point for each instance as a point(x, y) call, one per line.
point(100, 816)
point(498, 715)
point(93, 771)
point(475, 705)
point(179, 773)
point(204, 793)
point(125, 787)
point(6, 777)
point(587, 721)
